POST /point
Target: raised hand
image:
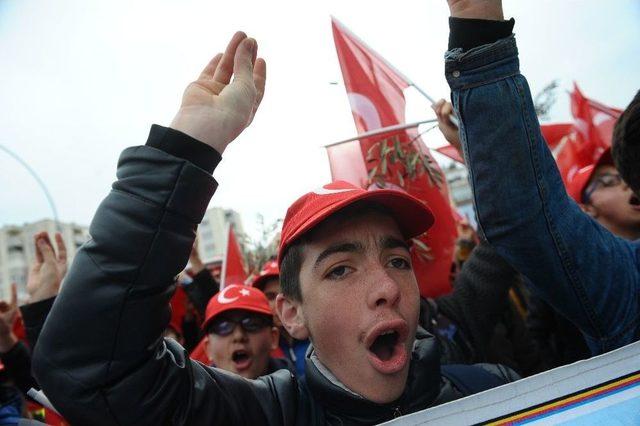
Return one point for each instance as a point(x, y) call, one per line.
point(476, 9)
point(215, 110)
point(195, 260)
point(444, 110)
point(8, 315)
point(48, 269)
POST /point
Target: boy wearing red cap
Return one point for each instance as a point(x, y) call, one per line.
point(346, 276)
point(239, 332)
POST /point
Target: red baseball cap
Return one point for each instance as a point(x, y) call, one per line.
point(412, 215)
point(234, 297)
point(269, 270)
point(577, 183)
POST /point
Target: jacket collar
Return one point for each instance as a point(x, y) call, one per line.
point(422, 388)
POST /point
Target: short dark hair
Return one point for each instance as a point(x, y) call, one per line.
point(294, 254)
point(625, 146)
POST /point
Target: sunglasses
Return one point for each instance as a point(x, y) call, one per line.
point(250, 324)
point(606, 180)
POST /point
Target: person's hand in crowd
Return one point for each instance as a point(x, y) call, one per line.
point(476, 9)
point(444, 110)
point(8, 315)
point(194, 259)
point(215, 110)
point(48, 269)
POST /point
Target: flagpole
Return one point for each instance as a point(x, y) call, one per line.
point(381, 59)
point(377, 132)
point(223, 273)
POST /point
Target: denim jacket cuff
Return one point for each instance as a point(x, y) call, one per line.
point(482, 65)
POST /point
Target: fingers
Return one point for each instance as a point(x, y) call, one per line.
point(37, 237)
point(46, 250)
point(62, 248)
point(14, 295)
point(259, 79)
point(243, 61)
point(209, 71)
point(224, 70)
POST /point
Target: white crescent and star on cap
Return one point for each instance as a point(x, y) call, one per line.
point(327, 191)
point(223, 299)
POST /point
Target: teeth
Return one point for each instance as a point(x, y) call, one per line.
point(387, 332)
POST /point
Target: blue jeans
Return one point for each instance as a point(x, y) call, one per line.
point(586, 273)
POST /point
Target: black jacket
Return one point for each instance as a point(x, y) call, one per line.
point(100, 357)
point(477, 322)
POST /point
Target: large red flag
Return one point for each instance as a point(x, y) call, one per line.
point(593, 122)
point(233, 270)
point(586, 138)
point(401, 160)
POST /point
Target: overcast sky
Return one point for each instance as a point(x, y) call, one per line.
point(81, 80)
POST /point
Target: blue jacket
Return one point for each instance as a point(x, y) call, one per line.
point(585, 272)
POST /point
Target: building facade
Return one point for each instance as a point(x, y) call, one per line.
point(212, 232)
point(17, 250)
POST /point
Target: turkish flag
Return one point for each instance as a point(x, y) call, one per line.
point(581, 143)
point(400, 159)
point(234, 271)
point(594, 122)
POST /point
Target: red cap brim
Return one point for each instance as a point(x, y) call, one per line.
point(412, 216)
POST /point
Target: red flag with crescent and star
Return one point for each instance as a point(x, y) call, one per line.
point(399, 160)
point(233, 270)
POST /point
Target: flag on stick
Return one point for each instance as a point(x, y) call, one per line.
point(399, 160)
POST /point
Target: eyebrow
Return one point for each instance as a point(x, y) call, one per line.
point(389, 242)
point(351, 247)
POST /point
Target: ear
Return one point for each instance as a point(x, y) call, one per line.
point(275, 338)
point(589, 209)
point(292, 316)
point(207, 350)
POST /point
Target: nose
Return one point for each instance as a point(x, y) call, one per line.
point(384, 290)
point(239, 335)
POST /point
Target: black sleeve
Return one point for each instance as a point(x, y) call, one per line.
point(480, 295)
point(18, 365)
point(469, 33)
point(34, 315)
point(201, 290)
point(184, 146)
point(100, 357)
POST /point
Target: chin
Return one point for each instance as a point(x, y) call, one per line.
point(386, 388)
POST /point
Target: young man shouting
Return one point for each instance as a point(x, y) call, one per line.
point(346, 277)
point(239, 332)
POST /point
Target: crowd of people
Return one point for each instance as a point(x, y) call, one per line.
point(333, 329)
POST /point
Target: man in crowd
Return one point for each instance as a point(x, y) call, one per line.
point(626, 144)
point(345, 273)
point(240, 334)
point(268, 281)
point(584, 271)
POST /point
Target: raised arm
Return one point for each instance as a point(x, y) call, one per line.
point(580, 268)
point(100, 357)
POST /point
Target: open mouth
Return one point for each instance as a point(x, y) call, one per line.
point(386, 346)
point(634, 201)
point(241, 359)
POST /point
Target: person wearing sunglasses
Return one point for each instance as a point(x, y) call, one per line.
point(604, 195)
point(240, 334)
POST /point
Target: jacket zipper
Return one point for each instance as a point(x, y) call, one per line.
point(397, 412)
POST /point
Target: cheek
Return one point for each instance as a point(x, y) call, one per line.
point(216, 350)
point(333, 321)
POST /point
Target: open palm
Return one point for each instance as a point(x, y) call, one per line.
point(215, 110)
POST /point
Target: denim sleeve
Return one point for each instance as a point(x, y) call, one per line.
point(581, 269)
